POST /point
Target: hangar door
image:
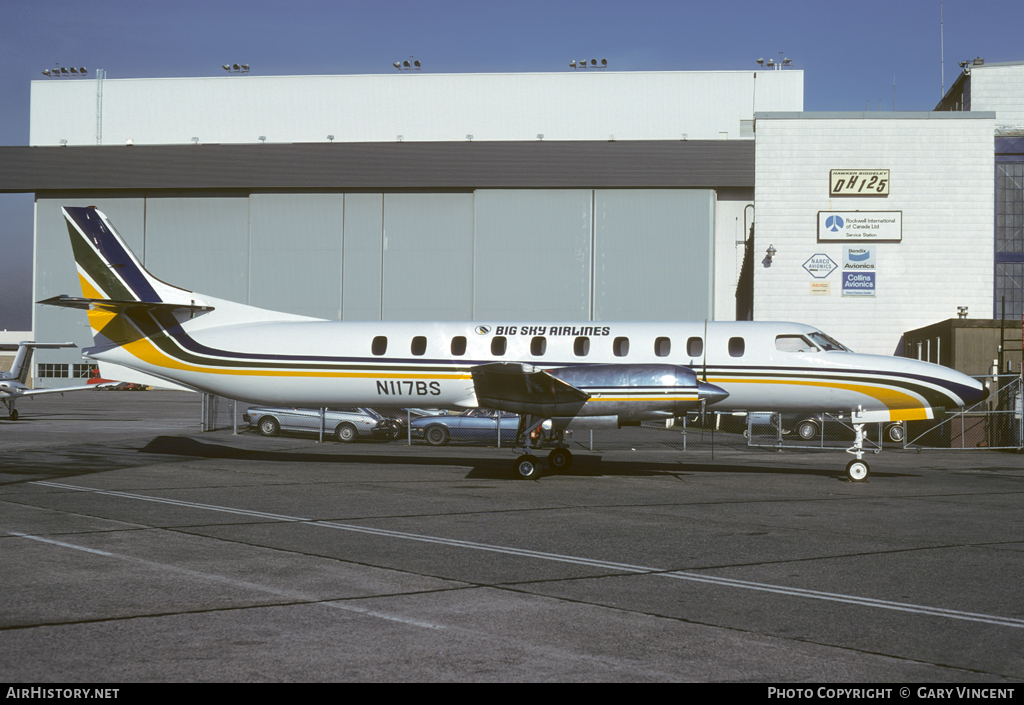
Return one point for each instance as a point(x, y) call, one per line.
point(593, 254)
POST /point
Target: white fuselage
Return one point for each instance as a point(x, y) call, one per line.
point(427, 364)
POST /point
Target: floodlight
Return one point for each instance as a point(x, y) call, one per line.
point(760, 62)
point(416, 63)
point(46, 72)
point(226, 67)
point(236, 67)
point(405, 64)
point(572, 64)
point(397, 65)
point(63, 70)
point(604, 63)
point(593, 62)
point(81, 70)
point(74, 70)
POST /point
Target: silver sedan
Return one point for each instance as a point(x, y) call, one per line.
point(345, 424)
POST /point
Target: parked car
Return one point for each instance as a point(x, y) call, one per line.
point(808, 426)
point(345, 424)
point(400, 417)
point(475, 425)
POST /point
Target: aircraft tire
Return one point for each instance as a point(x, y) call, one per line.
point(269, 426)
point(807, 430)
point(437, 436)
point(345, 433)
point(560, 459)
point(527, 467)
point(857, 471)
point(14, 414)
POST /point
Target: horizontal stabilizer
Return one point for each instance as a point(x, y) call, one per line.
point(115, 306)
point(524, 389)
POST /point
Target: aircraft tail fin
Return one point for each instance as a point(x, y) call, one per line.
point(107, 268)
point(23, 357)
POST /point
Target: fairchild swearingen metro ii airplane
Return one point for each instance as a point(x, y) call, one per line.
point(589, 375)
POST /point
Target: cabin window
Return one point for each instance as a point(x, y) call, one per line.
point(380, 345)
point(794, 343)
point(662, 347)
point(581, 347)
point(419, 345)
point(620, 347)
point(499, 344)
point(736, 347)
point(538, 346)
point(695, 347)
point(459, 345)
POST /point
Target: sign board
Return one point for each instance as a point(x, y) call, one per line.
point(858, 182)
point(820, 266)
point(859, 270)
point(821, 288)
point(858, 283)
point(844, 226)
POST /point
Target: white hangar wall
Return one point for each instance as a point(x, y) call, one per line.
point(546, 255)
point(581, 105)
point(941, 180)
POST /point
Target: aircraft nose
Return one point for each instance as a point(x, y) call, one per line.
point(974, 392)
point(710, 393)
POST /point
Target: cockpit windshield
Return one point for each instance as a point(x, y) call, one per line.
point(827, 343)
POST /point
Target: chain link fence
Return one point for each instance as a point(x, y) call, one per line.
point(996, 423)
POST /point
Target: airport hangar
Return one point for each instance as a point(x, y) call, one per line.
point(509, 197)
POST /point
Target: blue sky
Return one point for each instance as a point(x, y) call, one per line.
point(850, 52)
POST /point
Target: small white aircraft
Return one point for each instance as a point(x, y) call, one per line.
point(12, 383)
point(578, 375)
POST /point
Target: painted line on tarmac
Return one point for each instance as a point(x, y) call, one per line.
point(578, 560)
point(291, 595)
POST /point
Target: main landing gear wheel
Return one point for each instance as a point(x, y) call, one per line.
point(527, 467)
point(560, 459)
point(857, 471)
point(14, 414)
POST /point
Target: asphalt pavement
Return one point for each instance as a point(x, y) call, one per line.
point(137, 549)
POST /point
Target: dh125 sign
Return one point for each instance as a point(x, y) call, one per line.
point(858, 182)
point(844, 226)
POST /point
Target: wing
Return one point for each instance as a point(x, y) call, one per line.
point(524, 389)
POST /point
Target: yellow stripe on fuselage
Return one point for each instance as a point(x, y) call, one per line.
point(901, 406)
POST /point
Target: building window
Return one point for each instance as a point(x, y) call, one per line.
point(1009, 245)
point(49, 370)
point(81, 371)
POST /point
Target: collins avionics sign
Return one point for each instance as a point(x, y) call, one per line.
point(844, 226)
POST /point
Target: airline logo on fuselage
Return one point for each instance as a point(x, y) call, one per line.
point(552, 330)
